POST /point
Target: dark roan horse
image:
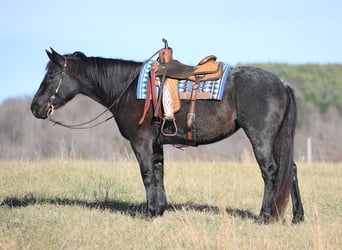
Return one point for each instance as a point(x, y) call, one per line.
point(254, 99)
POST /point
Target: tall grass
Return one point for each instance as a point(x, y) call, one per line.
point(76, 204)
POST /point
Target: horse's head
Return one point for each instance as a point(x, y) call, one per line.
point(57, 87)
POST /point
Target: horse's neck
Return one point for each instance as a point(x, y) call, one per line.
point(109, 79)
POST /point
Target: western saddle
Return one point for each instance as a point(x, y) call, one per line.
point(165, 73)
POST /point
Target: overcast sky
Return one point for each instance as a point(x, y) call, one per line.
point(244, 31)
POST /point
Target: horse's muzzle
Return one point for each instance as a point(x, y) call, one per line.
point(39, 112)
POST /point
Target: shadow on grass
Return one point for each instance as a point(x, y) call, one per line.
point(132, 209)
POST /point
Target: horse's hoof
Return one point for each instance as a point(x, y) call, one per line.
point(297, 219)
point(263, 220)
point(151, 214)
point(148, 216)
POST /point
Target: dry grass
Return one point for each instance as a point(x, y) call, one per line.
point(74, 204)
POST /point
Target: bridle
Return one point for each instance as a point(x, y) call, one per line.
point(50, 105)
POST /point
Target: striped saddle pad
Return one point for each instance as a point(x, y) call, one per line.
point(212, 90)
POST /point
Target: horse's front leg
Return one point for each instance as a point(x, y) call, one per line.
point(150, 156)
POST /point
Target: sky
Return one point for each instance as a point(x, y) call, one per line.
point(244, 31)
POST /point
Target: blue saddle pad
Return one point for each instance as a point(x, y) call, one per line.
point(214, 89)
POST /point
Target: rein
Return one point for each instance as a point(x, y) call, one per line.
point(82, 125)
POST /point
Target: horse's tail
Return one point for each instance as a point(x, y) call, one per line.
point(283, 155)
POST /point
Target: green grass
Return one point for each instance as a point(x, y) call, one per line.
point(75, 204)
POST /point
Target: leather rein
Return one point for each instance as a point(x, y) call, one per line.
point(83, 125)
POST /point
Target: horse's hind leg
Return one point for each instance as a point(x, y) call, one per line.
point(297, 207)
point(268, 169)
point(263, 140)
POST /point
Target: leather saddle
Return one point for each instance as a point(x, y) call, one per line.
point(168, 71)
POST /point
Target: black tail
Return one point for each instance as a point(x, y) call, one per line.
point(283, 155)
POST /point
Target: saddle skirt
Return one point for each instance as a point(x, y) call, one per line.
point(210, 89)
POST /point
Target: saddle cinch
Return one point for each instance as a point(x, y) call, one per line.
point(165, 73)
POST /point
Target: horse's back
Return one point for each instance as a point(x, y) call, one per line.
point(257, 82)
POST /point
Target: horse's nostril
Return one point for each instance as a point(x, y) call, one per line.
point(35, 109)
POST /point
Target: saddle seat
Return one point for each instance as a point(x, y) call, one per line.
point(207, 69)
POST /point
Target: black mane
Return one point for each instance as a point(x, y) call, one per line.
point(109, 76)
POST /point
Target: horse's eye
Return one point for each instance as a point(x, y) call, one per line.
point(51, 76)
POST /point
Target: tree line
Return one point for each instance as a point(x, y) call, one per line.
point(318, 85)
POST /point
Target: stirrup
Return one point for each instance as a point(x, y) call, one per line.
point(169, 131)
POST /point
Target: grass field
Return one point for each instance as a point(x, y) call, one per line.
point(75, 204)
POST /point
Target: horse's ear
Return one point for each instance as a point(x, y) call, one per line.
point(49, 54)
point(55, 57)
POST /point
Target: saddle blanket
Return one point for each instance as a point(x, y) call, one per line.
point(207, 90)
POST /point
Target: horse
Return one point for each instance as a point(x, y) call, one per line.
point(254, 100)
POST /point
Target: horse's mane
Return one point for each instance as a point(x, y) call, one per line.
point(110, 75)
point(78, 54)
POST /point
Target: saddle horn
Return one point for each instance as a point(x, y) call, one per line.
point(165, 54)
point(166, 45)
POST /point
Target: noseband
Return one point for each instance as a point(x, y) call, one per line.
point(50, 105)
